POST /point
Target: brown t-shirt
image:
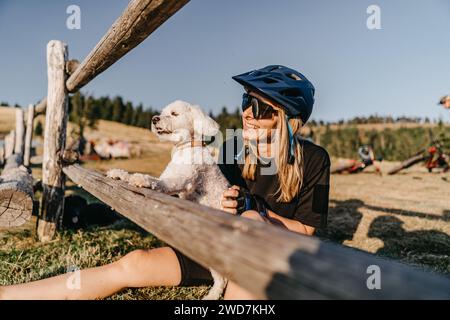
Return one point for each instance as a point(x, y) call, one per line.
point(310, 206)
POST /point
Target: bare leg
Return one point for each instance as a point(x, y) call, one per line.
point(139, 268)
point(235, 292)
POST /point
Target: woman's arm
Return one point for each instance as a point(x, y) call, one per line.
point(229, 204)
point(293, 225)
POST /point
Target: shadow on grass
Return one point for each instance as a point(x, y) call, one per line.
point(343, 220)
point(429, 248)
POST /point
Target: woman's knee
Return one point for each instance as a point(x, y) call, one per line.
point(236, 292)
point(158, 266)
point(132, 259)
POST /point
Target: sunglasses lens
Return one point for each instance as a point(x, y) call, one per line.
point(266, 111)
point(246, 99)
point(260, 109)
point(255, 108)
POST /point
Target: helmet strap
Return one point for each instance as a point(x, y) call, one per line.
point(291, 155)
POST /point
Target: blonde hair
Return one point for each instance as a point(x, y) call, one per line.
point(290, 176)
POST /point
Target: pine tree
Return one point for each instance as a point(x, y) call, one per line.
point(85, 112)
point(106, 108)
point(128, 113)
point(118, 109)
point(38, 130)
point(137, 115)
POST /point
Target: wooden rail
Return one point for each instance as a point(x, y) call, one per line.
point(40, 107)
point(270, 262)
point(137, 22)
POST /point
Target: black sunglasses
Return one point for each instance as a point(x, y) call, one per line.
point(261, 110)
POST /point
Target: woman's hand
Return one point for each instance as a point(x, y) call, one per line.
point(229, 202)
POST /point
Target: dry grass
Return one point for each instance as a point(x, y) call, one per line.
point(404, 217)
point(24, 259)
point(7, 120)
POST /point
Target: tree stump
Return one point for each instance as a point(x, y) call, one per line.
point(16, 193)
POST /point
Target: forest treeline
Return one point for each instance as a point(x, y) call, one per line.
point(390, 144)
point(342, 140)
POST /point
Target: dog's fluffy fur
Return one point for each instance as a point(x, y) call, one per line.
point(192, 173)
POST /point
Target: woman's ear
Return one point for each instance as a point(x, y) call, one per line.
point(202, 123)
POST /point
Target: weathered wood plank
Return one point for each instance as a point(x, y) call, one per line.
point(267, 260)
point(10, 139)
point(54, 141)
point(71, 66)
point(28, 136)
point(136, 23)
point(16, 193)
point(2, 155)
point(20, 132)
point(40, 107)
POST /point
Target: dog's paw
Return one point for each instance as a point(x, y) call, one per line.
point(154, 185)
point(117, 174)
point(140, 180)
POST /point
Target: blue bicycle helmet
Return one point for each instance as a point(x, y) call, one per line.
point(291, 89)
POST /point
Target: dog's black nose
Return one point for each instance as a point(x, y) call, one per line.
point(155, 119)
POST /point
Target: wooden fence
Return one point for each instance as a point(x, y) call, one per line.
point(270, 262)
point(16, 182)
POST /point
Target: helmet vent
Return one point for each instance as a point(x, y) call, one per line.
point(291, 92)
point(269, 80)
point(255, 73)
point(294, 76)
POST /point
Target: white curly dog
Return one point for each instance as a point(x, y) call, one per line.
point(192, 173)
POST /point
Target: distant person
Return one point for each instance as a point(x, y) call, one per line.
point(445, 101)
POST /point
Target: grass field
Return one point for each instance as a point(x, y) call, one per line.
point(404, 217)
point(7, 120)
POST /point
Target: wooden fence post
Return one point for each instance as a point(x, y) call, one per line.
point(20, 133)
point(9, 144)
point(2, 155)
point(54, 141)
point(28, 136)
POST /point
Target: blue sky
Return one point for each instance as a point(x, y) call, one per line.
point(401, 69)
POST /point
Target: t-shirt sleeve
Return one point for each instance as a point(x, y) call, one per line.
point(312, 207)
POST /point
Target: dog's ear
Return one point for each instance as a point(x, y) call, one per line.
point(202, 123)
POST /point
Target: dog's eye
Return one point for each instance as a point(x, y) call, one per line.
point(174, 113)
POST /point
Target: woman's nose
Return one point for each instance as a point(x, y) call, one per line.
point(155, 119)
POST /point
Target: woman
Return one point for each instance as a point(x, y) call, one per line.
point(294, 196)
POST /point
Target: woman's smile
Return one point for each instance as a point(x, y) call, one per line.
point(248, 125)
